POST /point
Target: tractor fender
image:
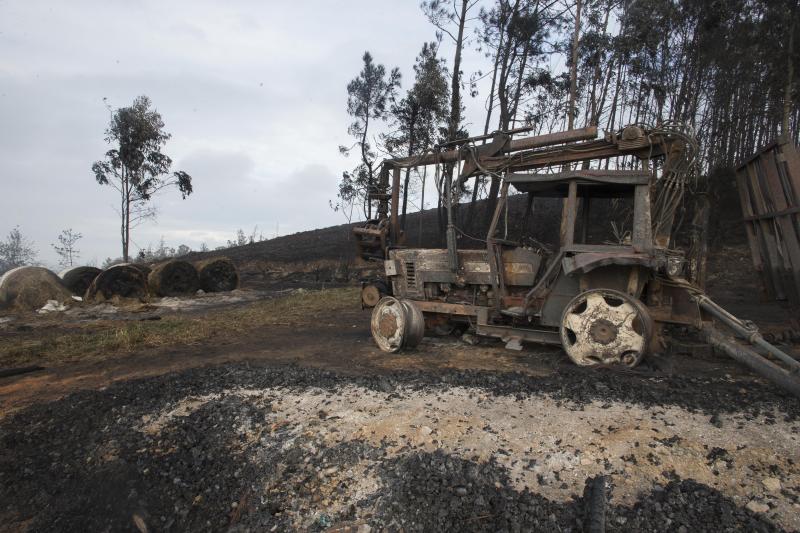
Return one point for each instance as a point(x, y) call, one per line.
point(586, 262)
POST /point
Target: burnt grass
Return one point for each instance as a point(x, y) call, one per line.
point(78, 464)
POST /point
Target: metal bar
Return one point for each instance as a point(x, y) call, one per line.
point(516, 145)
point(525, 334)
point(452, 251)
point(568, 215)
point(447, 308)
point(750, 358)
point(642, 238)
point(591, 176)
point(494, 268)
point(395, 204)
point(748, 332)
point(782, 212)
point(585, 151)
point(585, 205)
point(539, 141)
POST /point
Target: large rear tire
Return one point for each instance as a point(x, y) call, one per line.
point(604, 326)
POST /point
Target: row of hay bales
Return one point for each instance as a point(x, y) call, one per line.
point(31, 287)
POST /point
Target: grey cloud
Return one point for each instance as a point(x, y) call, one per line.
point(252, 92)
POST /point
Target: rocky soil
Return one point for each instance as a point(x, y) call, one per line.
point(274, 448)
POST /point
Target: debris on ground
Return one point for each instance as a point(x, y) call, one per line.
point(253, 447)
point(52, 306)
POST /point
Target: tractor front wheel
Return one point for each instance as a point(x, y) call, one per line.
point(397, 324)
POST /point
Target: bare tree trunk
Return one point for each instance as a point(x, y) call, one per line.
point(494, 82)
point(787, 92)
point(421, 208)
point(455, 97)
point(573, 68)
point(597, 103)
point(124, 214)
point(126, 253)
point(411, 148)
point(455, 86)
point(478, 179)
point(502, 97)
point(368, 164)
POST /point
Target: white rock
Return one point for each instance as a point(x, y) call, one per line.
point(757, 507)
point(51, 306)
point(771, 484)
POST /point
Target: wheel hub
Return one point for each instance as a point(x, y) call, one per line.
point(603, 331)
point(396, 324)
point(388, 325)
point(604, 326)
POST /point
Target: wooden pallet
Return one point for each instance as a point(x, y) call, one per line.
point(769, 191)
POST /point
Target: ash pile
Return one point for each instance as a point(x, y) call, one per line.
point(253, 448)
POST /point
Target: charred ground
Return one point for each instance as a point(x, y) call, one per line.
point(270, 409)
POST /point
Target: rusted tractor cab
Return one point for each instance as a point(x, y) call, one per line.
point(592, 298)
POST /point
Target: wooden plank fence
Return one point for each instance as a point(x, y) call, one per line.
point(769, 191)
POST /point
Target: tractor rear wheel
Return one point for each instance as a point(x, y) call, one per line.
point(604, 326)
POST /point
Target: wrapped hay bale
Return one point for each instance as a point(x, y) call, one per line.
point(174, 278)
point(77, 279)
point(29, 288)
point(217, 274)
point(123, 280)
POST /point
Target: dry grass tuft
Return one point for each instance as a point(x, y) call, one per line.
point(106, 339)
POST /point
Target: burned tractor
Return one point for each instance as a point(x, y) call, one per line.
point(605, 303)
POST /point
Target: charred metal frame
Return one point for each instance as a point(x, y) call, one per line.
point(501, 291)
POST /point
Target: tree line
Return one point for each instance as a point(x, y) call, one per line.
point(725, 68)
point(17, 250)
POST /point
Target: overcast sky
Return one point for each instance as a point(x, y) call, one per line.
point(253, 94)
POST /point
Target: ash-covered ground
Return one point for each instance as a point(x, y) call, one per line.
point(247, 447)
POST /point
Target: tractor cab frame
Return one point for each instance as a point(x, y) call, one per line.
point(520, 292)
